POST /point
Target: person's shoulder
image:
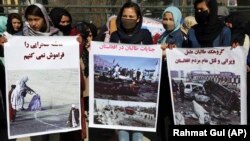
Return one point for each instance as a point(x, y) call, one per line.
point(191, 32)
point(114, 33)
point(114, 37)
point(178, 32)
point(192, 28)
point(226, 29)
point(58, 33)
point(145, 31)
point(20, 33)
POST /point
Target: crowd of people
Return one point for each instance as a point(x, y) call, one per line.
point(204, 29)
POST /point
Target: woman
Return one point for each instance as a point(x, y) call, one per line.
point(129, 22)
point(18, 94)
point(61, 19)
point(88, 32)
point(210, 31)
point(171, 37)
point(107, 29)
point(14, 23)
point(38, 22)
point(188, 22)
point(236, 23)
point(85, 33)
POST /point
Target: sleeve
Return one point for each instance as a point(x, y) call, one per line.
point(226, 37)
point(190, 38)
point(114, 38)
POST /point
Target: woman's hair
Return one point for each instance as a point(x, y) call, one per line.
point(213, 6)
point(12, 16)
point(56, 15)
point(35, 11)
point(83, 28)
point(93, 29)
point(199, 1)
point(133, 5)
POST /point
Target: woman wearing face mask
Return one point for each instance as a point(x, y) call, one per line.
point(129, 22)
point(171, 21)
point(237, 23)
point(171, 37)
point(210, 31)
point(61, 19)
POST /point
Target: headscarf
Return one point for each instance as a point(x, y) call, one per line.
point(111, 24)
point(207, 33)
point(177, 22)
point(135, 36)
point(188, 22)
point(238, 28)
point(56, 15)
point(3, 22)
point(50, 30)
point(111, 27)
point(9, 25)
point(24, 79)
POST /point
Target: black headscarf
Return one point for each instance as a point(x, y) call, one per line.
point(56, 16)
point(238, 27)
point(207, 33)
point(136, 37)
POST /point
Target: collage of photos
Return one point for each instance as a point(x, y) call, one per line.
point(125, 90)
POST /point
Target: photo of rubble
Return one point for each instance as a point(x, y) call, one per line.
point(204, 97)
point(109, 112)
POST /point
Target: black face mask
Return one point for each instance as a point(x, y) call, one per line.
point(65, 29)
point(202, 17)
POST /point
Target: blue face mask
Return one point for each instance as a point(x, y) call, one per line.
point(202, 17)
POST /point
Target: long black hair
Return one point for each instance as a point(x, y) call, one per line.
point(9, 25)
point(84, 29)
